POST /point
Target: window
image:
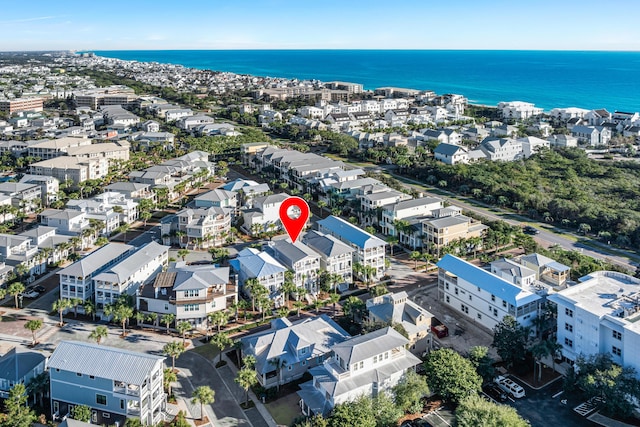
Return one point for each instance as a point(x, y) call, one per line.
point(456, 291)
point(106, 415)
point(121, 403)
point(495, 312)
point(101, 399)
point(289, 367)
point(470, 299)
point(504, 304)
point(617, 335)
point(479, 290)
point(568, 312)
point(304, 363)
point(446, 286)
point(493, 298)
point(568, 342)
point(303, 350)
point(568, 327)
point(78, 374)
point(479, 316)
point(616, 351)
point(447, 298)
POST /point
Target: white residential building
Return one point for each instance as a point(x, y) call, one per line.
point(125, 277)
point(369, 250)
point(367, 365)
point(190, 292)
point(301, 259)
point(406, 209)
point(451, 154)
point(599, 316)
point(336, 257)
point(532, 145)
point(254, 264)
point(504, 149)
point(265, 214)
point(76, 280)
point(482, 296)
point(518, 110)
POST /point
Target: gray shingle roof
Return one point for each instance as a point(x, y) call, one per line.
point(96, 260)
point(364, 346)
point(103, 362)
point(326, 244)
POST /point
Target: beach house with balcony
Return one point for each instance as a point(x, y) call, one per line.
point(115, 384)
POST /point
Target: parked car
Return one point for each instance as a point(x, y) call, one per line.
point(30, 294)
point(510, 387)
point(40, 288)
point(495, 392)
point(530, 230)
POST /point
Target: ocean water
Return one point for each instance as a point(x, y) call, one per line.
point(586, 79)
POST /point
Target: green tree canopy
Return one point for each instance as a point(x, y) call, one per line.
point(357, 413)
point(408, 393)
point(81, 413)
point(474, 411)
point(451, 375)
point(511, 341)
point(480, 359)
point(18, 414)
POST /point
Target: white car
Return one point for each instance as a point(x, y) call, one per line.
point(30, 294)
point(510, 387)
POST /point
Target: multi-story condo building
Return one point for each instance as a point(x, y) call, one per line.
point(336, 257)
point(115, 384)
point(367, 365)
point(67, 221)
point(518, 110)
point(287, 350)
point(484, 297)
point(202, 226)
point(72, 168)
point(21, 104)
point(407, 209)
point(301, 259)
point(599, 316)
point(76, 280)
point(50, 148)
point(369, 250)
point(125, 277)
point(49, 187)
point(109, 150)
point(443, 230)
point(23, 196)
point(191, 292)
point(264, 215)
point(376, 197)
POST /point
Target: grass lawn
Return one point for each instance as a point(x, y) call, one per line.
point(207, 350)
point(285, 409)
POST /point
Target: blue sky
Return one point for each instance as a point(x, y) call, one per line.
point(326, 24)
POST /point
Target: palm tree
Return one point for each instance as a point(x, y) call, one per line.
point(169, 378)
point(75, 302)
point(219, 318)
point(174, 350)
point(221, 340)
point(279, 363)
point(182, 253)
point(252, 285)
point(168, 319)
point(183, 328)
point(89, 308)
point(298, 305)
point(99, 333)
point(415, 256)
point(153, 318)
point(203, 395)
point(333, 299)
point(122, 313)
point(247, 378)
point(33, 325)
point(322, 204)
point(60, 306)
point(38, 386)
point(244, 305)
point(15, 289)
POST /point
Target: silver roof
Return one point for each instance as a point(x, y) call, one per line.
point(103, 362)
point(96, 260)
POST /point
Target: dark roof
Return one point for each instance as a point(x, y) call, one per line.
point(15, 365)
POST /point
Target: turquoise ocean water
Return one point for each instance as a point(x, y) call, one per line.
point(586, 79)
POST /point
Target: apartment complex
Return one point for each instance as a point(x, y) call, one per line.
point(16, 105)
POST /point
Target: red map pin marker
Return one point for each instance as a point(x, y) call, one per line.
point(294, 213)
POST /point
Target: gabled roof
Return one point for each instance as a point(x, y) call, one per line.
point(103, 362)
point(537, 259)
point(198, 276)
point(120, 272)
point(484, 279)
point(16, 364)
point(448, 149)
point(349, 232)
point(256, 264)
point(326, 244)
point(216, 195)
point(284, 339)
point(96, 260)
point(364, 346)
point(290, 253)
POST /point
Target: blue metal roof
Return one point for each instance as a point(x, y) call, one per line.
point(346, 231)
point(491, 283)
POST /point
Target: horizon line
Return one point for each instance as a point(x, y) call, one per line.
point(322, 49)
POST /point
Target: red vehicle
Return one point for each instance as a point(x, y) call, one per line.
point(440, 330)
